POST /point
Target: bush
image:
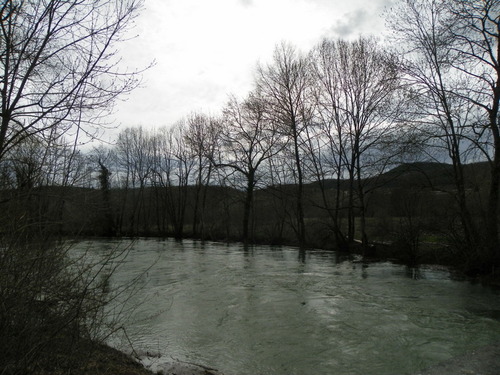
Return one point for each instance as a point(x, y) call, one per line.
point(52, 303)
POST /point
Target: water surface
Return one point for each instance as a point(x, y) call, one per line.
point(268, 310)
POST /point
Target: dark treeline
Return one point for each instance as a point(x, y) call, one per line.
point(305, 157)
point(411, 206)
point(301, 159)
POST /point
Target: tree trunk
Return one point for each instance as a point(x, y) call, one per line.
point(301, 228)
point(350, 208)
point(248, 206)
point(493, 242)
point(362, 214)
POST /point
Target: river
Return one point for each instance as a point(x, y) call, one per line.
point(274, 310)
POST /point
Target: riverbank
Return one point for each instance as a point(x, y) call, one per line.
point(157, 365)
point(484, 360)
point(91, 359)
point(481, 361)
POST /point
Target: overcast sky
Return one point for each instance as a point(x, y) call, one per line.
point(205, 50)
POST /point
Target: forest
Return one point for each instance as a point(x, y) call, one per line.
point(309, 157)
point(388, 149)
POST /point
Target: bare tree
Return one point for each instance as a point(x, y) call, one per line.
point(247, 139)
point(284, 84)
point(355, 91)
point(58, 66)
point(453, 56)
point(135, 155)
point(201, 137)
point(280, 209)
point(103, 159)
point(172, 169)
point(424, 29)
point(476, 32)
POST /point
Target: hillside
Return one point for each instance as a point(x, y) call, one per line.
point(419, 174)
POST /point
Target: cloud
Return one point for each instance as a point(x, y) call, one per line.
point(350, 24)
point(206, 50)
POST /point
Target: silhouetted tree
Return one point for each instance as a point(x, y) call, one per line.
point(105, 186)
point(452, 50)
point(201, 137)
point(58, 66)
point(356, 96)
point(284, 85)
point(248, 137)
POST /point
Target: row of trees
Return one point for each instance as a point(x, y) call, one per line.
point(331, 114)
point(336, 116)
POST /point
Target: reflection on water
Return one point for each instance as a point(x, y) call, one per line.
point(275, 310)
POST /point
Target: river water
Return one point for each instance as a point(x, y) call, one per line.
point(274, 310)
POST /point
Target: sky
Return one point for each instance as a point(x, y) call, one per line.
point(206, 50)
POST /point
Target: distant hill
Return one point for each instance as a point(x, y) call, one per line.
point(423, 174)
point(427, 174)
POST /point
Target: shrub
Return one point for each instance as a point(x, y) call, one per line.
point(52, 302)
